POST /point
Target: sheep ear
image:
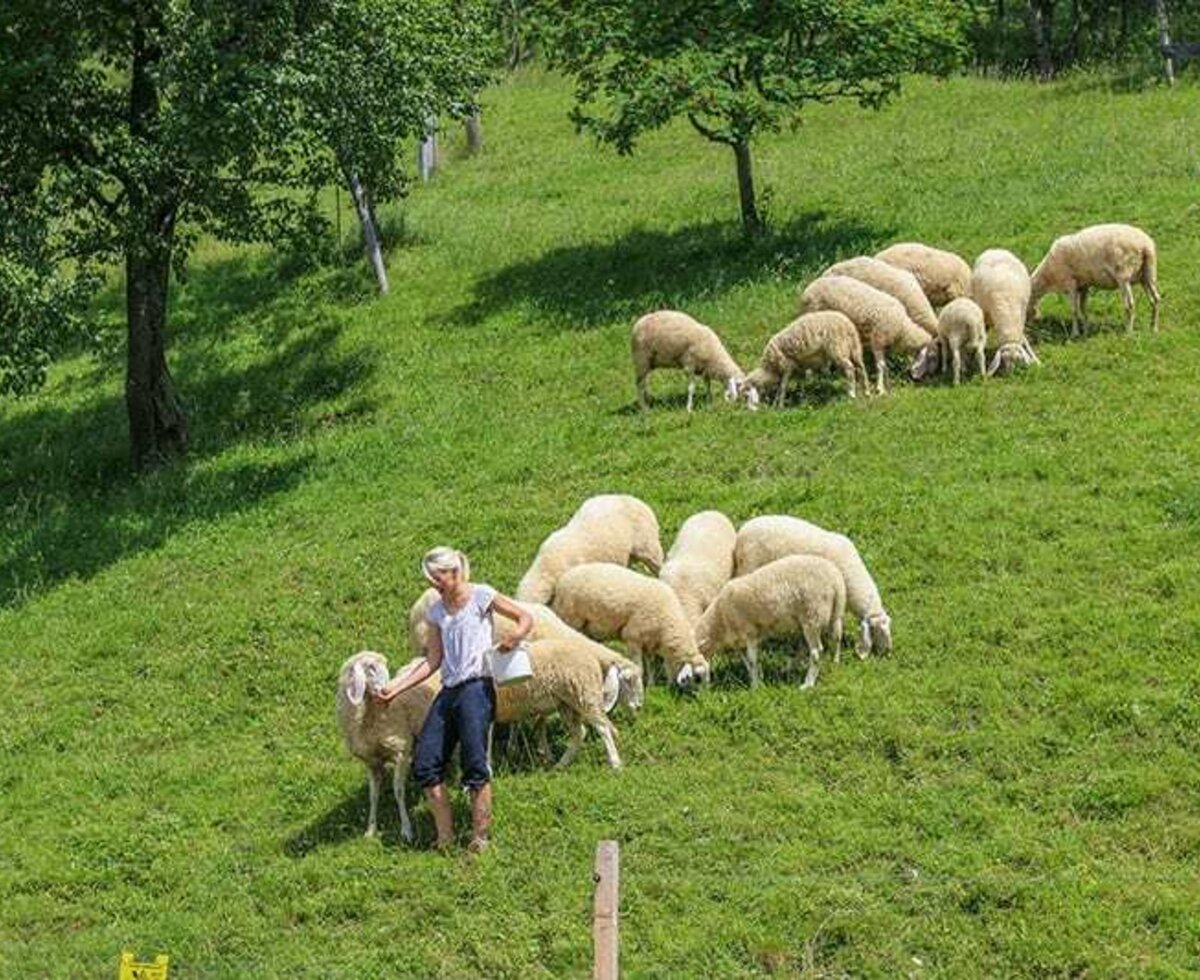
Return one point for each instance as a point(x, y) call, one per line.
point(612, 688)
point(358, 684)
point(684, 677)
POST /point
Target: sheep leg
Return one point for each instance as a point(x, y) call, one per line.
point(957, 355)
point(399, 776)
point(751, 659)
point(880, 367)
point(1083, 298)
point(1152, 293)
point(1076, 313)
point(543, 741)
point(861, 370)
point(981, 358)
point(812, 639)
point(847, 367)
point(604, 728)
point(781, 395)
point(691, 390)
point(578, 732)
point(643, 391)
point(374, 778)
point(1127, 300)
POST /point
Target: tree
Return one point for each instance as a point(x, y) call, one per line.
point(370, 73)
point(131, 127)
point(737, 69)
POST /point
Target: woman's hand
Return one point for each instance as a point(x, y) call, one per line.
point(510, 610)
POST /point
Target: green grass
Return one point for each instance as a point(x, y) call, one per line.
point(1015, 792)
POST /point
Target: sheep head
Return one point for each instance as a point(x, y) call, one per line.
point(364, 673)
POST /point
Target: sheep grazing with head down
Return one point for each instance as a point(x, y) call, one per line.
point(1100, 257)
point(1000, 285)
point(802, 594)
point(670, 339)
point(890, 279)
point(960, 324)
point(700, 561)
point(765, 539)
point(379, 733)
point(883, 323)
point(612, 602)
point(943, 275)
point(814, 340)
point(615, 528)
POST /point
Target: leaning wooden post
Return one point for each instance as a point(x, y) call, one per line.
point(604, 920)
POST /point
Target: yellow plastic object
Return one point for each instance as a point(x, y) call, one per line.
point(131, 970)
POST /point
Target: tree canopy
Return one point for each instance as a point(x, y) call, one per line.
point(736, 70)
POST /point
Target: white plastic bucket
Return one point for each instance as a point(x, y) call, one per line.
point(513, 667)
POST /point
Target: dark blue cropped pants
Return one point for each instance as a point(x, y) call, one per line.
point(460, 715)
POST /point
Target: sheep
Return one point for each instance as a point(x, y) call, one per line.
point(765, 539)
point(700, 561)
point(623, 685)
point(610, 601)
point(894, 281)
point(943, 275)
point(1000, 285)
point(960, 324)
point(813, 340)
point(566, 678)
point(379, 733)
point(797, 594)
point(668, 338)
point(881, 319)
point(610, 527)
point(1100, 257)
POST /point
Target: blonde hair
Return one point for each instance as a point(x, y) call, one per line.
point(443, 559)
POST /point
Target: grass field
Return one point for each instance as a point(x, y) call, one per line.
point(1015, 792)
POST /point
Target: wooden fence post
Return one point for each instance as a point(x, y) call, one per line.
point(605, 936)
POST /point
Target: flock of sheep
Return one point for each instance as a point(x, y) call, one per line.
point(719, 588)
point(886, 304)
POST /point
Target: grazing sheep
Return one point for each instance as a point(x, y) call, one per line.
point(882, 322)
point(812, 341)
point(612, 602)
point(1099, 257)
point(961, 324)
point(668, 338)
point(624, 686)
point(764, 539)
point(1000, 285)
point(380, 733)
point(943, 275)
point(797, 594)
point(700, 561)
point(566, 679)
point(611, 527)
point(890, 279)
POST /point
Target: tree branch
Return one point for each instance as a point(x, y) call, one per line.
point(709, 134)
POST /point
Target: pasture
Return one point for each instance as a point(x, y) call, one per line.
point(1014, 792)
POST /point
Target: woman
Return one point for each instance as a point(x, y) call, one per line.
point(462, 712)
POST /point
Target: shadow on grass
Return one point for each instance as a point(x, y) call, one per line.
point(582, 286)
point(72, 507)
point(348, 821)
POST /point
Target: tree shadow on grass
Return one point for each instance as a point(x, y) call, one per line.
point(70, 504)
point(579, 287)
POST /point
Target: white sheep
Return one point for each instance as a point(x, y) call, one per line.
point(568, 680)
point(612, 602)
point(1000, 285)
point(802, 594)
point(380, 733)
point(611, 527)
point(894, 281)
point(943, 275)
point(670, 339)
point(814, 340)
point(883, 323)
point(765, 539)
point(624, 685)
point(700, 561)
point(1100, 257)
point(960, 324)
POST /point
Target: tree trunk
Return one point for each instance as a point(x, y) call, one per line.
point(1164, 38)
point(370, 233)
point(1042, 13)
point(157, 422)
point(474, 133)
point(752, 223)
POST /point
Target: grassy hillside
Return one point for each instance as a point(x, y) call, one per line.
point(1016, 791)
